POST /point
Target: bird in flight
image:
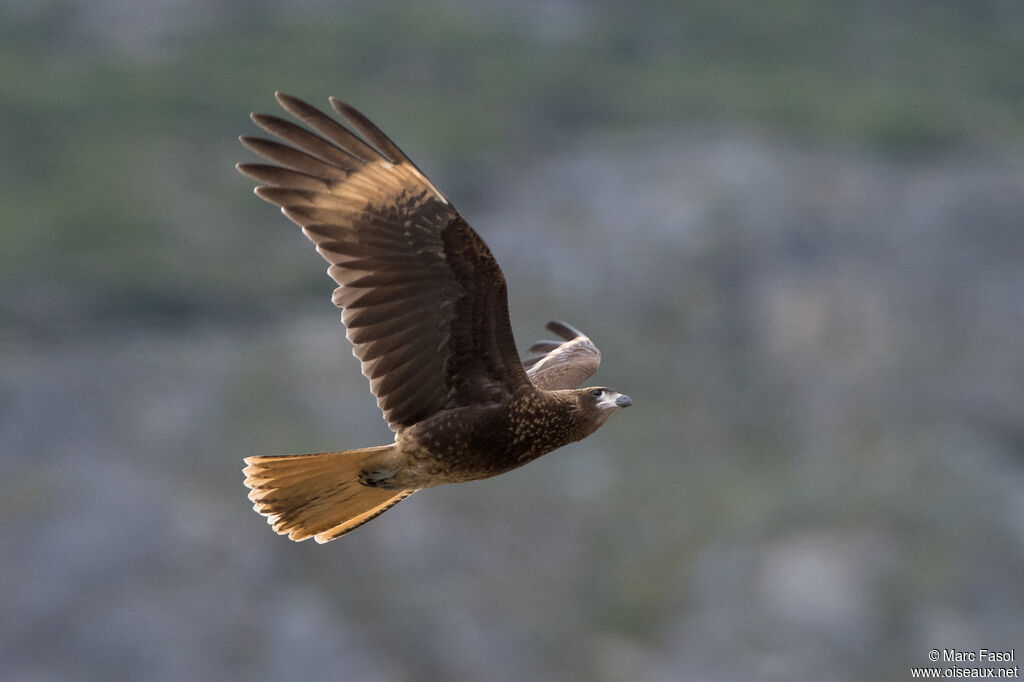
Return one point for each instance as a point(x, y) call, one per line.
point(425, 307)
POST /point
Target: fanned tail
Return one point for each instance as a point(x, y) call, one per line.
point(318, 495)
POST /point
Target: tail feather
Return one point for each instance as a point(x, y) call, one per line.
point(318, 495)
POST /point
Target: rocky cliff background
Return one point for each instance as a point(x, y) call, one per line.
point(795, 230)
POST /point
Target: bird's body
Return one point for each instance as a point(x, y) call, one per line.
point(425, 307)
point(469, 443)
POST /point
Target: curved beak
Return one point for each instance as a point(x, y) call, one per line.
point(623, 401)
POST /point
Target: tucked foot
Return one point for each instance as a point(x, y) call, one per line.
point(377, 478)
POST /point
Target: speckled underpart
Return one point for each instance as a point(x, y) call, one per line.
point(471, 443)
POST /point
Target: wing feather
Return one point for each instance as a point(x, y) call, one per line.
point(282, 177)
point(308, 142)
point(387, 328)
point(327, 126)
point(562, 365)
point(293, 159)
point(423, 300)
point(370, 131)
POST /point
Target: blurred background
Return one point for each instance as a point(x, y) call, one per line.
point(795, 229)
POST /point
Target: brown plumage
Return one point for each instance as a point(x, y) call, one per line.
point(425, 307)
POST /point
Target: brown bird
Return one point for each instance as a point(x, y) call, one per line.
point(425, 307)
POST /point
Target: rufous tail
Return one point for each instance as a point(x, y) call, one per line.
point(319, 495)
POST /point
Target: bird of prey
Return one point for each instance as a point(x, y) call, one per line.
point(425, 307)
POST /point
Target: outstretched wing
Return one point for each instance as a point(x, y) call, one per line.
point(562, 364)
point(424, 302)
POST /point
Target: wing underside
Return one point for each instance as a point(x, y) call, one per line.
point(562, 364)
point(424, 302)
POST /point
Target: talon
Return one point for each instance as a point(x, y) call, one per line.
point(374, 479)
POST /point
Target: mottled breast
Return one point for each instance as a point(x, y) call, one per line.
point(474, 442)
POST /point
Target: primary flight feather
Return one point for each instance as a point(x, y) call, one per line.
point(425, 307)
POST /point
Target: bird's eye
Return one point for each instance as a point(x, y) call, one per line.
point(596, 393)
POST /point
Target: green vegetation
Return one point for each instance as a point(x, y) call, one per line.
point(118, 144)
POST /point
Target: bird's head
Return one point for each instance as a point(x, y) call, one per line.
point(600, 402)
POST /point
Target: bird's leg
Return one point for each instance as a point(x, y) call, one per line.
point(378, 478)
